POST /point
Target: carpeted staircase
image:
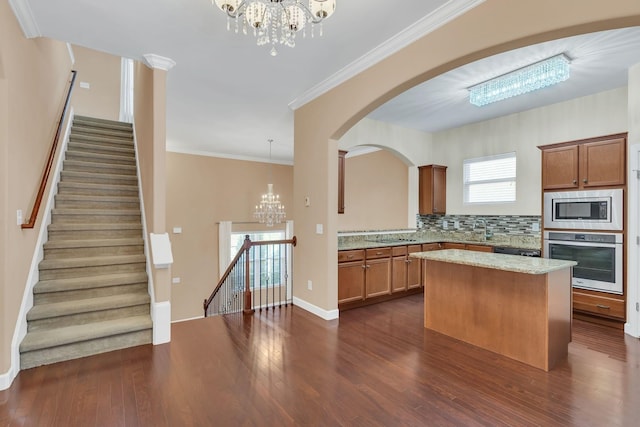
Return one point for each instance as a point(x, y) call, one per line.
point(92, 295)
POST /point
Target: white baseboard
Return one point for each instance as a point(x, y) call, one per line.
point(7, 378)
point(161, 315)
point(320, 312)
point(629, 329)
point(186, 320)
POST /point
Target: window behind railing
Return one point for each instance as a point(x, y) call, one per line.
point(258, 277)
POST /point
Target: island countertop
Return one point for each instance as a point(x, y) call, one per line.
point(514, 263)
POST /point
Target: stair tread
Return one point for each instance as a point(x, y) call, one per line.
point(101, 156)
point(80, 163)
point(96, 198)
point(37, 340)
point(129, 151)
point(92, 243)
point(98, 175)
point(98, 281)
point(91, 185)
point(89, 119)
point(67, 308)
point(96, 211)
point(79, 226)
point(53, 264)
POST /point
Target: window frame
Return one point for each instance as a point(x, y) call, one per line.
point(466, 184)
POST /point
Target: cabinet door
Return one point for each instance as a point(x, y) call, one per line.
point(602, 163)
point(398, 273)
point(414, 267)
point(351, 281)
point(439, 190)
point(560, 168)
point(432, 192)
point(378, 277)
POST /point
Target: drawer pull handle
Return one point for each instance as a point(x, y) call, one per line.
point(378, 253)
point(364, 266)
point(349, 256)
point(604, 307)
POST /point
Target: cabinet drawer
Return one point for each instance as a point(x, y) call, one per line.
point(479, 248)
point(414, 248)
point(601, 305)
point(431, 247)
point(451, 245)
point(355, 255)
point(398, 250)
point(378, 253)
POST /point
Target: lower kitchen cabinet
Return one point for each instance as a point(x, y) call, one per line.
point(414, 268)
point(377, 272)
point(351, 271)
point(399, 269)
point(592, 303)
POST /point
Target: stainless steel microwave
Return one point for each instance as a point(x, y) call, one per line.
point(584, 210)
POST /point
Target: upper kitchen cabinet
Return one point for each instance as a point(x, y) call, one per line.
point(432, 198)
point(596, 162)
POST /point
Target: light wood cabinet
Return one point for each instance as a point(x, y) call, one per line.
point(600, 305)
point(479, 248)
point(377, 272)
point(432, 192)
point(597, 162)
point(351, 272)
point(399, 269)
point(414, 268)
point(451, 245)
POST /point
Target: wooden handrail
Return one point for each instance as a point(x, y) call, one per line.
point(246, 245)
point(52, 154)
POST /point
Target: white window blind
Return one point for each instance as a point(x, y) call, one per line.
point(490, 179)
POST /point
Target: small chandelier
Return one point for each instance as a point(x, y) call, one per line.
point(269, 211)
point(523, 80)
point(276, 21)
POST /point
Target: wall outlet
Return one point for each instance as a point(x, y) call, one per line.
point(309, 285)
point(175, 280)
point(535, 226)
point(445, 224)
point(177, 230)
point(319, 229)
point(19, 219)
point(456, 224)
point(85, 85)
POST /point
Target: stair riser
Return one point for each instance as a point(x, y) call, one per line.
point(79, 294)
point(101, 140)
point(79, 123)
point(94, 219)
point(62, 273)
point(93, 252)
point(90, 317)
point(93, 234)
point(91, 158)
point(86, 348)
point(98, 178)
point(96, 204)
point(101, 132)
point(99, 168)
point(86, 191)
point(101, 149)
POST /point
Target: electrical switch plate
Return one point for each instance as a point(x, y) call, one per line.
point(175, 280)
point(85, 85)
point(19, 217)
point(309, 285)
point(319, 229)
point(535, 227)
point(456, 224)
point(177, 230)
point(445, 224)
point(307, 201)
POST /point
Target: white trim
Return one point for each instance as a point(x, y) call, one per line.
point(158, 62)
point(72, 57)
point(413, 184)
point(34, 273)
point(320, 312)
point(632, 326)
point(436, 19)
point(360, 151)
point(180, 150)
point(126, 90)
point(187, 320)
point(7, 378)
point(161, 316)
point(24, 15)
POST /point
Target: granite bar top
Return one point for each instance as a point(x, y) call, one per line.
point(515, 263)
point(367, 240)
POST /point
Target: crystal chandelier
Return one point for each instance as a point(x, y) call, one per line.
point(527, 79)
point(276, 21)
point(269, 211)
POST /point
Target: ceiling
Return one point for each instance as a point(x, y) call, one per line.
point(227, 97)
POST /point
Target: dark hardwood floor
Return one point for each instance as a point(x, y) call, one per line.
point(376, 366)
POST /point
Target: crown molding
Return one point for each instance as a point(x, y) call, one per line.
point(24, 15)
point(436, 19)
point(158, 62)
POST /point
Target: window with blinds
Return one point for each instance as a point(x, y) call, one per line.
point(490, 179)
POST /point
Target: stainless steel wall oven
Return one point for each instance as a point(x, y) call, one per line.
point(599, 257)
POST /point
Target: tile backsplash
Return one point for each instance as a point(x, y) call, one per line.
point(495, 224)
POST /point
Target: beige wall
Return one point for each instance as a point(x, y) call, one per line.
point(469, 37)
point(601, 114)
point(202, 191)
point(102, 72)
point(150, 127)
point(376, 192)
point(35, 79)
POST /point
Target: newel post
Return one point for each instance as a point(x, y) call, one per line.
point(248, 308)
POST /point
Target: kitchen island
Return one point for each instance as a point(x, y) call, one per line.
point(519, 307)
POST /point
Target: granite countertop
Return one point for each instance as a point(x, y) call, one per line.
point(515, 263)
point(364, 241)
